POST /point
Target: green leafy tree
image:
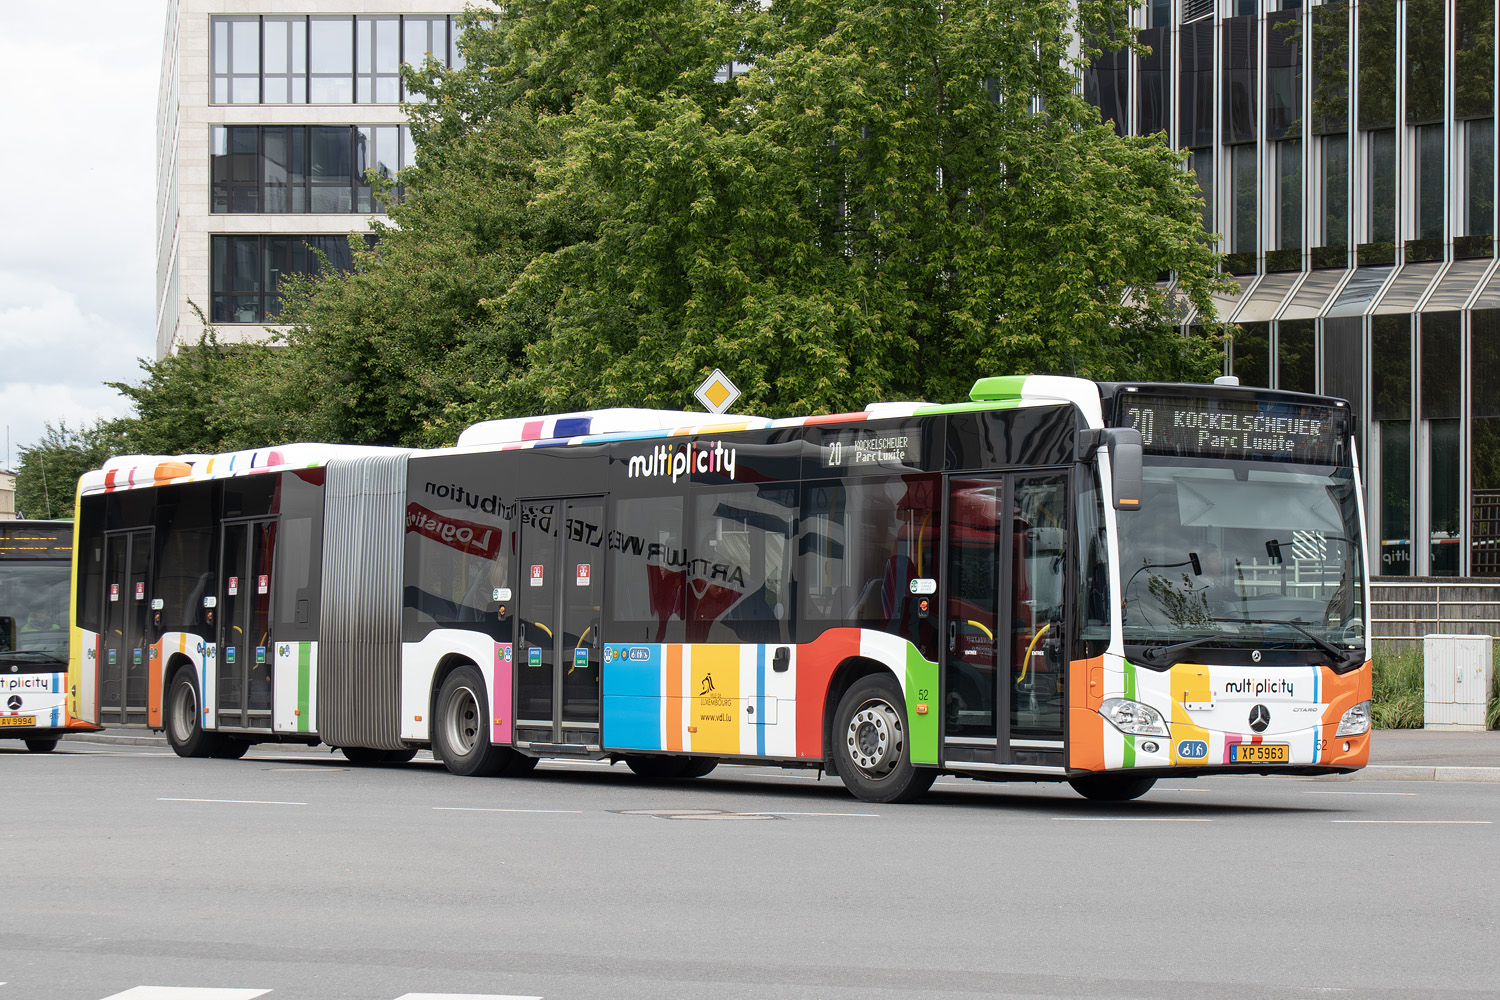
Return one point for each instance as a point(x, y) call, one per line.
point(47, 479)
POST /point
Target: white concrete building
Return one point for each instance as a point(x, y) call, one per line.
point(270, 113)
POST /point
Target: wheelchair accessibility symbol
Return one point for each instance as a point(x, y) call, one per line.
point(1192, 749)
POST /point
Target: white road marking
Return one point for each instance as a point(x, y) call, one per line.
point(477, 809)
point(186, 993)
point(241, 802)
point(1319, 791)
point(1420, 822)
point(1204, 791)
point(777, 812)
point(1130, 819)
point(462, 996)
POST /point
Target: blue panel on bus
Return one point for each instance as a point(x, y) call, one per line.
point(632, 696)
point(572, 427)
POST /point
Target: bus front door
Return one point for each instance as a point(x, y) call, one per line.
point(559, 607)
point(1003, 669)
point(244, 674)
point(125, 653)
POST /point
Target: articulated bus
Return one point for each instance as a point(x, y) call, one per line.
point(1056, 580)
point(36, 560)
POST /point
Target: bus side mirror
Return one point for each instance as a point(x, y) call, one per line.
point(1125, 448)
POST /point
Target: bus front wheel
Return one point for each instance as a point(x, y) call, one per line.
point(461, 732)
point(185, 720)
point(871, 743)
point(1111, 787)
point(41, 746)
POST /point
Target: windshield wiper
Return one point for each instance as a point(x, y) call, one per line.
point(1153, 657)
point(1342, 658)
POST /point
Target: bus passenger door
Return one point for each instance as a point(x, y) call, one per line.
point(125, 653)
point(559, 607)
point(244, 624)
point(1003, 627)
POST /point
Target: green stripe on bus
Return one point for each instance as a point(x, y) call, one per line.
point(304, 684)
point(1129, 760)
point(922, 689)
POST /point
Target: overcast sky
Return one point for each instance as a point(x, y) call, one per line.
point(78, 172)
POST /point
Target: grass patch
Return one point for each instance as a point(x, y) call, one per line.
point(1399, 688)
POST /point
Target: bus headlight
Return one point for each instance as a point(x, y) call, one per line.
point(1134, 718)
point(1356, 721)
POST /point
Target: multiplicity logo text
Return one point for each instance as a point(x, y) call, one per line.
point(683, 459)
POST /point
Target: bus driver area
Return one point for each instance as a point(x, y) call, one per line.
point(1055, 580)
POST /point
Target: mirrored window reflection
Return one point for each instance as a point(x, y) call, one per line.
point(1195, 104)
point(1239, 79)
point(285, 41)
point(1425, 58)
point(306, 168)
point(377, 60)
point(1243, 217)
point(1479, 177)
point(246, 271)
point(1430, 206)
point(332, 76)
point(1484, 442)
point(1333, 190)
point(1440, 381)
point(1382, 186)
point(1251, 361)
point(1154, 82)
point(1288, 194)
point(1201, 163)
point(1390, 404)
point(1343, 367)
point(1283, 75)
point(1106, 85)
point(1474, 59)
point(1330, 67)
point(1296, 357)
point(1377, 63)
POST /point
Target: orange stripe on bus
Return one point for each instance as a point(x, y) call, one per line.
point(675, 706)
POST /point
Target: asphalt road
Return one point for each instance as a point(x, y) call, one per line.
point(294, 873)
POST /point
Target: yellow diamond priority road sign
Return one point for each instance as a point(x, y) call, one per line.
point(717, 392)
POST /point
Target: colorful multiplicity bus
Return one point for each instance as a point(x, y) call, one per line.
point(36, 560)
point(1057, 580)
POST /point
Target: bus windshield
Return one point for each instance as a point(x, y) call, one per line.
point(34, 612)
point(1225, 554)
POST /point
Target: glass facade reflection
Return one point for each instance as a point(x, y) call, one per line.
point(1347, 154)
point(246, 271)
point(305, 168)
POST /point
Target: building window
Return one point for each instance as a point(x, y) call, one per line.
point(305, 168)
point(1479, 177)
point(1106, 85)
point(1283, 75)
point(1296, 355)
point(1201, 163)
point(1390, 405)
point(1330, 67)
point(324, 59)
point(1430, 206)
point(1474, 59)
point(1377, 63)
point(1333, 190)
point(1484, 442)
point(247, 271)
point(1195, 121)
point(1425, 56)
point(1381, 162)
point(1155, 82)
point(1243, 216)
point(1239, 79)
point(1251, 362)
point(1288, 194)
point(1440, 412)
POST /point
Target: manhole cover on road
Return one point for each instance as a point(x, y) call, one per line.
point(709, 814)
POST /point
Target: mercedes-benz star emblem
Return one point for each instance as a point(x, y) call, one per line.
point(1260, 718)
point(14, 702)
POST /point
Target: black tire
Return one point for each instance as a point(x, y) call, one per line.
point(1111, 787)
point(460, 731)
point(658, 768)
point(184, 719)
point(871, 748)
point(41, 746)
point(697, 767)
point(230, 749)
point(517, 765)
point(370, 755)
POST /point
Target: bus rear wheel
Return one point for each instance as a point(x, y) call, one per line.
point(41, 746)
point(660, 768)
point(185, 720)
point(871, 748)
point(1111, 787)
point(369, 755)
point(461, 733)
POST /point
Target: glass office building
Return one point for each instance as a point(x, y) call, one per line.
point(1346, 152)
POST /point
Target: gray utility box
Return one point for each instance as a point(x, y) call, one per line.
point(1458, 672)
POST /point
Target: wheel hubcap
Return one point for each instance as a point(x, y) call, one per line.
point(875, 738)
point(185, 712)
point(463, 721)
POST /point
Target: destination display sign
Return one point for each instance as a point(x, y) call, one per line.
point(36, 543)
point(894, 448)
point(1226, 427)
